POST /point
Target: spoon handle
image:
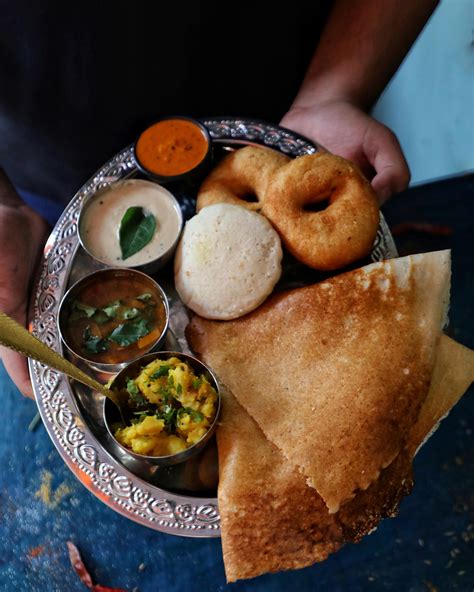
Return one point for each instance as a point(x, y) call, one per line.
point(17, 338)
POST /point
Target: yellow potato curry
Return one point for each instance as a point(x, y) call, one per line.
point(172, 407)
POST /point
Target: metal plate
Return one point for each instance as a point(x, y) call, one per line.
point(73, 416)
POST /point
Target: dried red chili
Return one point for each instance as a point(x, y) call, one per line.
point(84, 575)
point(99, 588)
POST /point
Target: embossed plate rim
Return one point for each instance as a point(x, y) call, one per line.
point(90, 462)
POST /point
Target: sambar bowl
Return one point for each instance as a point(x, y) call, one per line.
point(113, 316)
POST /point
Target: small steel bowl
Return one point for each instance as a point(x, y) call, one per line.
point(111, 414)
point(189, 177)
point(96, 277)
point(150, 266)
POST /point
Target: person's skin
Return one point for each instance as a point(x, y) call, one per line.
point(22, 234)
point(362, 45)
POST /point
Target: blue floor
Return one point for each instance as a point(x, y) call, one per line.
point(427, 548)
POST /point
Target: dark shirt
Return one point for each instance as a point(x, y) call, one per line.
point(78, 81)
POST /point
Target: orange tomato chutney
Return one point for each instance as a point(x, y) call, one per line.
point(171, 147)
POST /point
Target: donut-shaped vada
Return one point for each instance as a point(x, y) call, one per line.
point(335, 236)
point(241, 178)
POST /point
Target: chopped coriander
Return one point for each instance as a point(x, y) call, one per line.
point(132, 387)
point(162, 371)
point(140, 416)
point(135, 394)
point(168, 414)
point(164, 392)
point(196, 383)
point(146, 297)
point(195, 415)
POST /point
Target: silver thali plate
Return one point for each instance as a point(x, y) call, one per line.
point(173, 501)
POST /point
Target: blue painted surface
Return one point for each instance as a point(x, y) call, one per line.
point(429, 103)
point(428, 542)
point(428, 547)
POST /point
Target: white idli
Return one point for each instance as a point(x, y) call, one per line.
point(227, 262)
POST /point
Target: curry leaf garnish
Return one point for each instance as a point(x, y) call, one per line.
point(162, 371)
point(130, 313)
point(79, 310)
point(179, 388)
point(94, 344)
point(128, 333)
point(136, 230)
point(88, 310)
point(112, 309)
point(100, 317)
point(196, 383)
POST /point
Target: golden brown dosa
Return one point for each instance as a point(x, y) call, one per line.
point(452, 376)
point(335, 373)
point(271, 520)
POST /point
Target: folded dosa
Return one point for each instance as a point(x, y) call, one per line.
point(452, 376)
point(271, 520)
point(335, 373)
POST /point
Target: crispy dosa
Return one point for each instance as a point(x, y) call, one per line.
point(335, 374)
point(452, 376)
point(271, 520)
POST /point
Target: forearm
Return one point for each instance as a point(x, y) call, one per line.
point(22, 234)
point(361, 47)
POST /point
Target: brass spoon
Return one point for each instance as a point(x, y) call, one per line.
point(17, 338)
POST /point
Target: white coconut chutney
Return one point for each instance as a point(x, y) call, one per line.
point(101, 217)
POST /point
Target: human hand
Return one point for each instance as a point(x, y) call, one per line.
point(345, 130)
point(22, 234)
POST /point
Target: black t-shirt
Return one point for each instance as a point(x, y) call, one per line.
point(78, 81)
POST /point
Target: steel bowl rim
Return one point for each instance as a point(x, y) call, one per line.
point(169, 179)
point(164, 256)
point(197, 446)
point(111, 368)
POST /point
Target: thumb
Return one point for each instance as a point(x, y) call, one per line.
point(15, 364)
point(392, 174)
point(17, 368)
